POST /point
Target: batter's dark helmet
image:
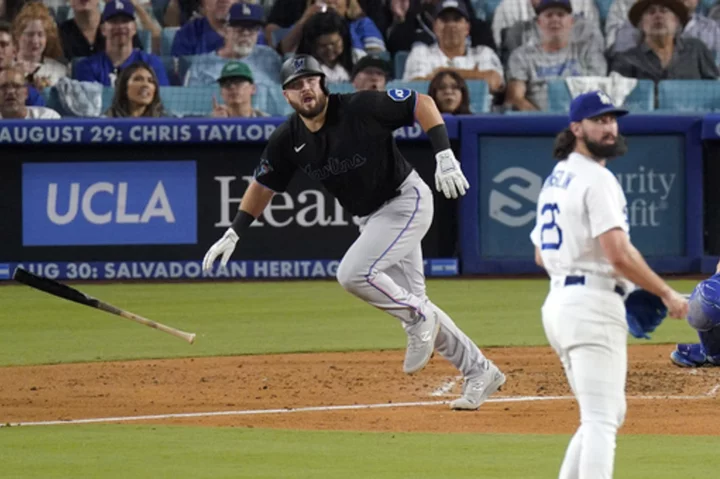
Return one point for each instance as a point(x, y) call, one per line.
point(300, 66)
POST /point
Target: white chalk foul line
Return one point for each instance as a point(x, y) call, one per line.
point(250, 412)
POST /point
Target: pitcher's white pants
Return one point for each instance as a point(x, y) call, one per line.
point(587, 329)
point(384, 267)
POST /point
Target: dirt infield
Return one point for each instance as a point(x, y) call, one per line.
point(662, 399)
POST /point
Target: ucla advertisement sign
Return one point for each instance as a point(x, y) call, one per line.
point(110, 203)
point(512, 171)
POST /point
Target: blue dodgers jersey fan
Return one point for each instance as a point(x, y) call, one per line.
point(99, 68)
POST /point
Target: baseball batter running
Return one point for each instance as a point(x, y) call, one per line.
point(582, 240)
point(346, 143)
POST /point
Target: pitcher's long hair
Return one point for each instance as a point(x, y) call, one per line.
point(564, 144)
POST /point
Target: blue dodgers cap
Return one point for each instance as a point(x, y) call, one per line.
point(246, 14)
point(592, 104)
point(116, 8)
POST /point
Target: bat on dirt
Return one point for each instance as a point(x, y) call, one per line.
point(71, 294)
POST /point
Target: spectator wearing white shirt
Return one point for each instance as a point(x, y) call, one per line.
point(14, 93)
point(699, 26)
point(452, 28)
point(553, 56)
point(509, 12)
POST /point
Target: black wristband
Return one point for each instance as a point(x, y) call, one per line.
point(242, 221)
point(439, 138)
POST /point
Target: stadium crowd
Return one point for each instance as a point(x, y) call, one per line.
point(222, 58)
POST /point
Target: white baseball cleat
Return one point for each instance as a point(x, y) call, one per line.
point(478, 389)
point(421, 342)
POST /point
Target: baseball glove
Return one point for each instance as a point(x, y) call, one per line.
point(644, 312)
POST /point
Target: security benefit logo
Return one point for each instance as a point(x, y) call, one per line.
point(513, 197)
point(109, 203)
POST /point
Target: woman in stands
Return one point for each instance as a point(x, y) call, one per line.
point(450, 93)
point(326, 37)
point(137, 94)
point(39, 50)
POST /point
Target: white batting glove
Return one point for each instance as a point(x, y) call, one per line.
point(224, 246)
point(449, 177)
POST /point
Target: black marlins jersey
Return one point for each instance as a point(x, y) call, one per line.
point(353, 155)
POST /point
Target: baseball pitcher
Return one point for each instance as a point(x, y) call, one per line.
point(582, 240)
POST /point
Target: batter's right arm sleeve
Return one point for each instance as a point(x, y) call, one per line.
point(606, 205)
point(275, 170)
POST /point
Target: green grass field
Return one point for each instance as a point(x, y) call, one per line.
point(254, 318)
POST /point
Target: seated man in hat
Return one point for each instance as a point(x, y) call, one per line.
point(510, 12)
point(118, 28)
point(237, 88)
point(699, 26)
point(452, 28)
point(552, 56)
point(371, 72)
point(204, 34)
point(663, 54)
point(241, 36)
point(524, 31)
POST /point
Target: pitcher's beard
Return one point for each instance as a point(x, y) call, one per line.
point(601, 151)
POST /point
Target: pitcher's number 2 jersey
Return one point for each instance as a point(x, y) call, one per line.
point(579, 201)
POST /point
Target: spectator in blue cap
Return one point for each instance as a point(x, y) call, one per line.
point(593, 120)
point(205, 34)
point(241, 35)
point(118, 28)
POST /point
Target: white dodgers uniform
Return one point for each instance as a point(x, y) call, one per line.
point(584, 312)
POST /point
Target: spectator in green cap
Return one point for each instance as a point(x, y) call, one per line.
point(237, 88)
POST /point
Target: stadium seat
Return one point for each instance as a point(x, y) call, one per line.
point(60, 13)
point(479, 96)
point(603, 7)
point(341, 87)
point(689, 95)
point(704, 6)
point(166, 39)
point(171, 68)
point(189, 100)
point(158, 9)
point(183, 67)
point(107, 98)
point(146, 40)
point(399, 63)
point(641, 99)
point(479, 7)
point(490, 6)
point(52, 100)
